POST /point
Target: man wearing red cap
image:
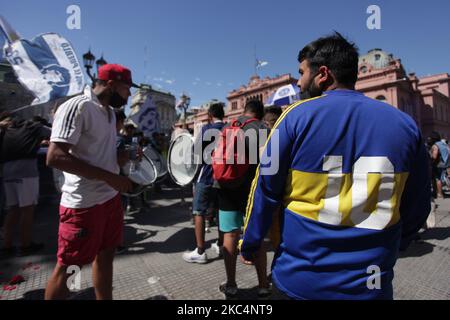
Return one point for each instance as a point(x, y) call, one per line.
point(83, 145)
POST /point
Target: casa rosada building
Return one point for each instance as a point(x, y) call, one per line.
point(381, 76)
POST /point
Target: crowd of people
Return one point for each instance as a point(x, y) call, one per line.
point(346, 194)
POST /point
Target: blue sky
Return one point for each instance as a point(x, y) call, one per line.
point(206, 47)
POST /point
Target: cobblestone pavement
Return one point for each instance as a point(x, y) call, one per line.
point(152, 267)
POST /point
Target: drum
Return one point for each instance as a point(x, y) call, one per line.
point(143, 174)
point(58, 179)
point(181, 162)
point(159, 162)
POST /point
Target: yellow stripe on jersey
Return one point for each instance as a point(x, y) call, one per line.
point(306, 193)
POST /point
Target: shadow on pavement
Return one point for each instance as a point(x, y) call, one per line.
point(34, 295)
point(160, 216)
point(417, 249)
point(178, 242)
point(438, 233)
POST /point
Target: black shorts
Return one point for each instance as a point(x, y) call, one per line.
point(234, 199)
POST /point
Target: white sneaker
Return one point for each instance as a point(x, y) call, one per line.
point(217, 249)
point(194, 257)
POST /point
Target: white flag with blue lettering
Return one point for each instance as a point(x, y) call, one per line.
point(47, 66)
point(147, 118)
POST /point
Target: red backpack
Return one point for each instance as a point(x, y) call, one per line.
point(229, 166)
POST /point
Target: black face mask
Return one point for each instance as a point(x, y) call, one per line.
point(116, 100)
point(311, 91)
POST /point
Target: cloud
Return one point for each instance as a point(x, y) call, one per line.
point(194, 83)
point(158, 79)
point(169, 81)
point(197, 79)
point(208, 83)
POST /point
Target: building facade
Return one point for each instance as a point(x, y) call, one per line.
point(380, 76)
point(426, 99)
point(165, 106)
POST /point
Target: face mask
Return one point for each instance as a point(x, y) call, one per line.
point(311, 91)
point(116, 100)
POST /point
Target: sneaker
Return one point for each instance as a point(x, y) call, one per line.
point(6, 253)
point(228, 291)
point(207, 226)
point(31, 249)
point(195, 257)
point(264, 292)
point(217, 249)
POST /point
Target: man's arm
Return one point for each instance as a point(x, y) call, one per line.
point(416, 199)
point(267, 189)
point(58, 156)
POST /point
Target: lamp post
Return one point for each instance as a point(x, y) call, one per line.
point(88, 60)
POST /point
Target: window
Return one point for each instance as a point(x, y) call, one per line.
point(363, 69)
point(377, 57)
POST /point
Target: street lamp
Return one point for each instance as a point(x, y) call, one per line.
point(89, 59)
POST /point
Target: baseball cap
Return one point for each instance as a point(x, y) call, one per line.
point(116, 72)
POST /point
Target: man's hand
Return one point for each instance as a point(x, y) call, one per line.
point(119, 183)
point(250, 259)
point(123, 157)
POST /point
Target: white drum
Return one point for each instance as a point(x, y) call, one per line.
point(142, 173)
point(158, 160)
point(181, 161)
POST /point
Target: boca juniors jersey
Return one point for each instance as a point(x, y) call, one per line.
point(351, 177)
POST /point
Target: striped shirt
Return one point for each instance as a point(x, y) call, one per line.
point(91, 130)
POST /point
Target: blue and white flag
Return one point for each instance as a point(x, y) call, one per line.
point(47, 66)
point(147, 118)
point(284, 95)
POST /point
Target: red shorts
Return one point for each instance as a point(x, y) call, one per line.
point(83, 233)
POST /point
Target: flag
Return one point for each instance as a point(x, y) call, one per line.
point(261, 63)
point(147, 118)
point(47, 66)
point(10, 34)
point(7, 34)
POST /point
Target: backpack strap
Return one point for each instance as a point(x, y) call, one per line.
point(237, 123)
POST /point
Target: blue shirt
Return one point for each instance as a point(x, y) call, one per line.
point(353, 185)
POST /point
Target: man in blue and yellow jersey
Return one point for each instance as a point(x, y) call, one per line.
point(352, 183)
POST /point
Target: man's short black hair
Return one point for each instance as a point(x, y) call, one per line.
point(274, 110)
point(216, 110)
point(255, 107)
point(335, 52)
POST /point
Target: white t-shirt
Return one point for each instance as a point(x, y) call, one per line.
point(85, 124)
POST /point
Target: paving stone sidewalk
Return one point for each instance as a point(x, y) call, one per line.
point(152, 267)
